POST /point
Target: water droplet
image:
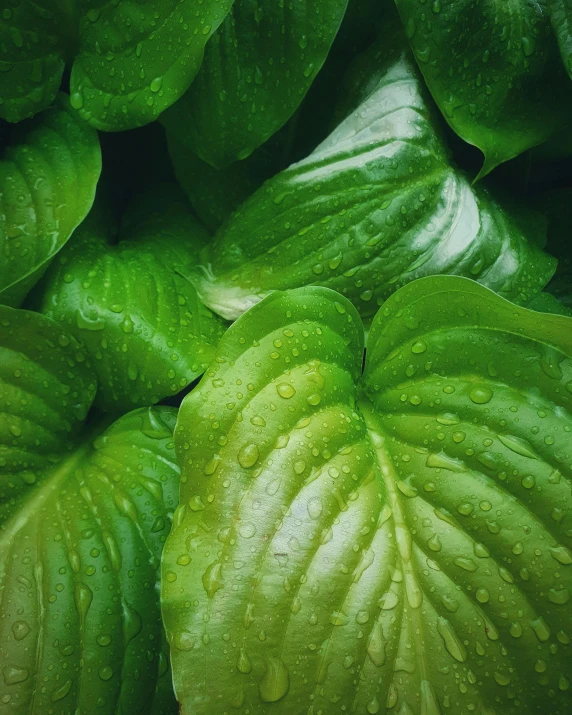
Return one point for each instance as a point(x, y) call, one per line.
point(275, 683)
point(61, 691)
point(481, 395)
point(212, 579)
point(13, 674)
point(106, 672)
point(244, 664)
point(285, 390)
point(453, 643)
point(248, 455)
point(20, 629)
point(315, 507)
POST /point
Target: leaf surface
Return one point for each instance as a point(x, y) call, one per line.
point(129, 60)
point(395, 543)
point(257, 69)
point(376, 205)
point(82, 525)
point(493, 69)
point(48, 175)
point(130, 303)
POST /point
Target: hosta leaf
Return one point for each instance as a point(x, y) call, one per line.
point(257, 68)
point(215, 193)
point(82, 524)
point(48, 174)
point(395, 544)
point(561, 15)
point(375, 206)
point(493, 69)
point(130, 304)
point(129, 61)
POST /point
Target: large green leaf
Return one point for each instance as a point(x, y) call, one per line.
point(129, 60)
point(82, 524)
point(493, 69)
point(375, 206)
point(129, 302)
point(257, 69)
point(401, 545)
point(48, 174)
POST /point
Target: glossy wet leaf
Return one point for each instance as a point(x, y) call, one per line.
point(493, 68)
point(561, 15)
point(130, 302)
point(129, 60)
point(48, 174)
point(399, 543)
point(257, 69)
point(376, 205)
point(82, 524)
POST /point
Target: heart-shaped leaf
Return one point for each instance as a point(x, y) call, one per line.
point(130, 304)
point(399, 543)
point(129, 60)
point(257, 69)
point(375, 206)
point(493, 68)
point(48, 174)
point(82, 524)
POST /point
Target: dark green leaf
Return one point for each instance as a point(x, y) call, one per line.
point(375, 206)
point(561, 14)
point(82, 524)
point(130, 60)
point(48, 175)
point(257, 69)
point(399, 545)
point(493, 69)
point(130, 303)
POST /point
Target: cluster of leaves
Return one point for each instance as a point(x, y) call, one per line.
point(302, 531)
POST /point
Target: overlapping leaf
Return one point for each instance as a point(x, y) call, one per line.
point(401, 544)
point(129, 60)
point(493, 68)
point(82, 524)
point(130, 303)
point(48, 174)
point(257, 68)
point(375, 206)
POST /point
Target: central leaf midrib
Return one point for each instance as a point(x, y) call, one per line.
point(388, 473)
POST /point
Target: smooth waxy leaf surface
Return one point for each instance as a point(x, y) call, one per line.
point(130, 304)
point(129, 60)
point(395, 544)
point(375, 206)
point(48, 174)
point(82, 524)
point(493, 69)
point(257, 68)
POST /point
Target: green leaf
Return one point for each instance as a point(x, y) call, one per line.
point(561, 16)
point(82, 525)
point(129, 302)
point(129, 62)
point(398, 543)
point(256, 71)
point(375, 206)
point(216, 193)
point(493, 69)
point(48, 175)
